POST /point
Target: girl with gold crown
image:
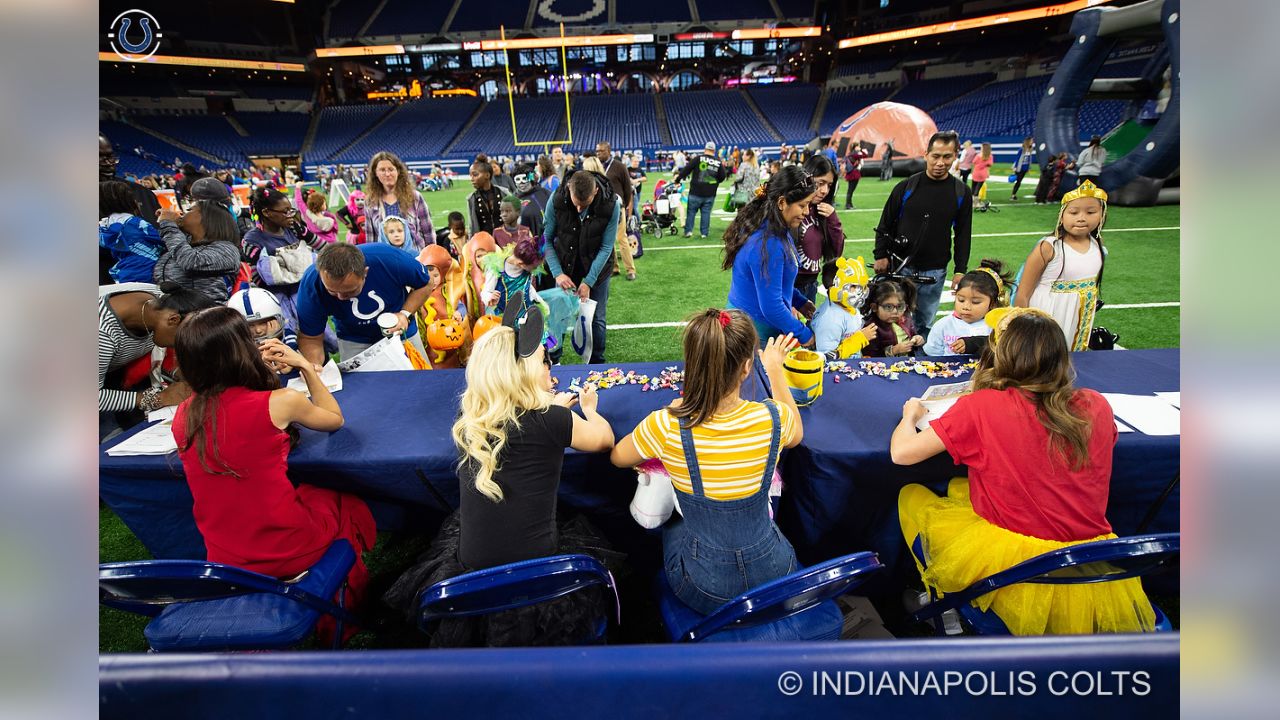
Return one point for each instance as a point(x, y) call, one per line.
point(1063, 274)
point(1039, 452)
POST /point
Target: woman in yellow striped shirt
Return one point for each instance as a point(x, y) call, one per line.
point(721, 451)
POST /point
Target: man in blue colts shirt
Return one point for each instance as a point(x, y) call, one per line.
point(354, 284)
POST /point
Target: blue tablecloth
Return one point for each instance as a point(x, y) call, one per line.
point(841, 488)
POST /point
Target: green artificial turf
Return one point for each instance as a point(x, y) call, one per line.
point(676, 280)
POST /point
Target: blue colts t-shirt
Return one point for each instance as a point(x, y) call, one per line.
point(391, 276)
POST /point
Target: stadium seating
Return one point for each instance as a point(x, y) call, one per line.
point(124, 138)
point(788, 107)
point(626, 122)
point(537, 119)
point(721, 116)
point(929, 94)
point(273, 133)
point(843, 103)
point(404, 17)
point(866, 67)
point(1002, 108)
point(1098, 117)
point(210, 133)
point(417, 130)
point(339, 125)
point(641, 12)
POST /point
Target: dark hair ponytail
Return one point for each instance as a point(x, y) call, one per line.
point(983, 283)
point(717, 343)
point(792, 184)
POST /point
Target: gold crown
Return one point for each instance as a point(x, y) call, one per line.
point(999, 319)
point(1086, 189)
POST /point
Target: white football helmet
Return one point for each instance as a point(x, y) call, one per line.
point(257, 304)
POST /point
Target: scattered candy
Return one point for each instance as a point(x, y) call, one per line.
point(669, 379)
point(928, 368)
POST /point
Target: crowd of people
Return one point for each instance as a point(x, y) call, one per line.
point(244, 295)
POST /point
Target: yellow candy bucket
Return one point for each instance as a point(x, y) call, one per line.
point(804, 375)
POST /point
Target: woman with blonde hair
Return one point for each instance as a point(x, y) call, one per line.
point(1038, 451)
point(389, 191)
point(511, 435)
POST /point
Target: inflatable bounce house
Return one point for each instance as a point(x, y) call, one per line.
point(1142, 151)
point(906, 127)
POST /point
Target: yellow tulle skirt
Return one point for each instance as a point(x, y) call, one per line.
point(961, 548)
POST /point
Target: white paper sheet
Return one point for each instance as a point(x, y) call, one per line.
point(1121, 427)
point(386, 354)
point(1173, 398)
point(1147, 414)
point(329, 375)
point(154, 440)
point(164, 414)
point(939, 398)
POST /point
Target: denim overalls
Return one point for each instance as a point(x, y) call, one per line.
point(717, 549)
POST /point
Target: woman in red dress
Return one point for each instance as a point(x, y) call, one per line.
point(234, 435)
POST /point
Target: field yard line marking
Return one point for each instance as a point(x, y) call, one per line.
point(977, 235)
point(941, 313)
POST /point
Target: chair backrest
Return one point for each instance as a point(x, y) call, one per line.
point(788, 595)
point(511, 586)
point(1095, 562)
point(146, 587)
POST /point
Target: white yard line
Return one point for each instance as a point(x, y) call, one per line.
point(1028, 233)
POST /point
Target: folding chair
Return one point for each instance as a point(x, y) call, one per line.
point(206, 606)
point(1095, 562)
point(799, 606)
point(515, 585)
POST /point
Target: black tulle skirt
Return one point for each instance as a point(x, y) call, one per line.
point(568, 620)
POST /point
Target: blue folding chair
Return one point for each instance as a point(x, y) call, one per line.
point(514, 585)
point(799, 606)
point(206, 606)
point(1095, 562)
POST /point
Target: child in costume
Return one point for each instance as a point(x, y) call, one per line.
point(1038, 452)
point(447, 300)
point(510, 270)
point(511, 231)
point(1063, 274)
point(454, 237)
point(838, 326)
point(889, 307)
point(352, 214)
point(980, 291)
point(473, 254)
point(395, 232)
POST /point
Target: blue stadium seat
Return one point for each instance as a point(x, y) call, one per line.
point(721, 116)
point(537, 119)
point(788, 107)
point(416, 130)
point(204, 606)
point(341, 124)
point(124, 138)
point(210, 133)
point(626, 122)
point(865, 67)
point(273, 133)
point(512, 586)
point(845, 102)
point(1001, 108)
point(929, 94)
point(1095, 562)
point(799, 606)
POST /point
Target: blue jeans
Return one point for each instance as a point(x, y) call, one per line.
point(599, 293)
point(696, 203)
point(927, 298)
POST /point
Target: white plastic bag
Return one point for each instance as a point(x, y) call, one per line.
point(582, 340)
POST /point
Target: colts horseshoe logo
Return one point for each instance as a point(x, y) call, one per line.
point(355, 307)
point(127, 49)
point(545, 10)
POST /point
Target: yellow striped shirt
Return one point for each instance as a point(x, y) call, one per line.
point(732, 448)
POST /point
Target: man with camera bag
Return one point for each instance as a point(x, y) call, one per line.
point(933, 211)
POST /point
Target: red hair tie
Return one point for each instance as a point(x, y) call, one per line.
point(724, 319)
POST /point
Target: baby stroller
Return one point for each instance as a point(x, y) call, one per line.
point(657, 218)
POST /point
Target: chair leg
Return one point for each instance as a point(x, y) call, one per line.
point(338, 621)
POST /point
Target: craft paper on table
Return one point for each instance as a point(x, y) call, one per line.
point(154, 440)
point(1121, 427)
point(164, 414)
point(1173, 398)
point(386, 354)
point(939, 398)
point(329, 375)
point(1147, 414)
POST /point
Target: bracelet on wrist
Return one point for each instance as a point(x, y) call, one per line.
point(150, 400)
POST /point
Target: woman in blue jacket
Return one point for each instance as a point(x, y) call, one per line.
point(760, 250)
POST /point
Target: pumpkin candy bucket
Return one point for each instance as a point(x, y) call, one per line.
point(445, 334)
point(484, 324)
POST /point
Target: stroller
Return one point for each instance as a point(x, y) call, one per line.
point(657, 218)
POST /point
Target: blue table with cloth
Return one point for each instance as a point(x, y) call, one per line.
point(840, 486)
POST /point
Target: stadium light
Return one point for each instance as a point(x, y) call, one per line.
point(359, 51)
point(1040, 13)
point(202, 62)
point(776, 33)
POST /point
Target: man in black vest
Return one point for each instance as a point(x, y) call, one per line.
point(581, 226)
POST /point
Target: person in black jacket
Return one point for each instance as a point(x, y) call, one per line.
point(581, 226)
point(707, 171)
point(934, 212)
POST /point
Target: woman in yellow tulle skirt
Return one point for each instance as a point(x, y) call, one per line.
point(1039, 458)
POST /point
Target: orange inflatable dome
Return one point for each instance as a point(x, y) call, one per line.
point(906, 126)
